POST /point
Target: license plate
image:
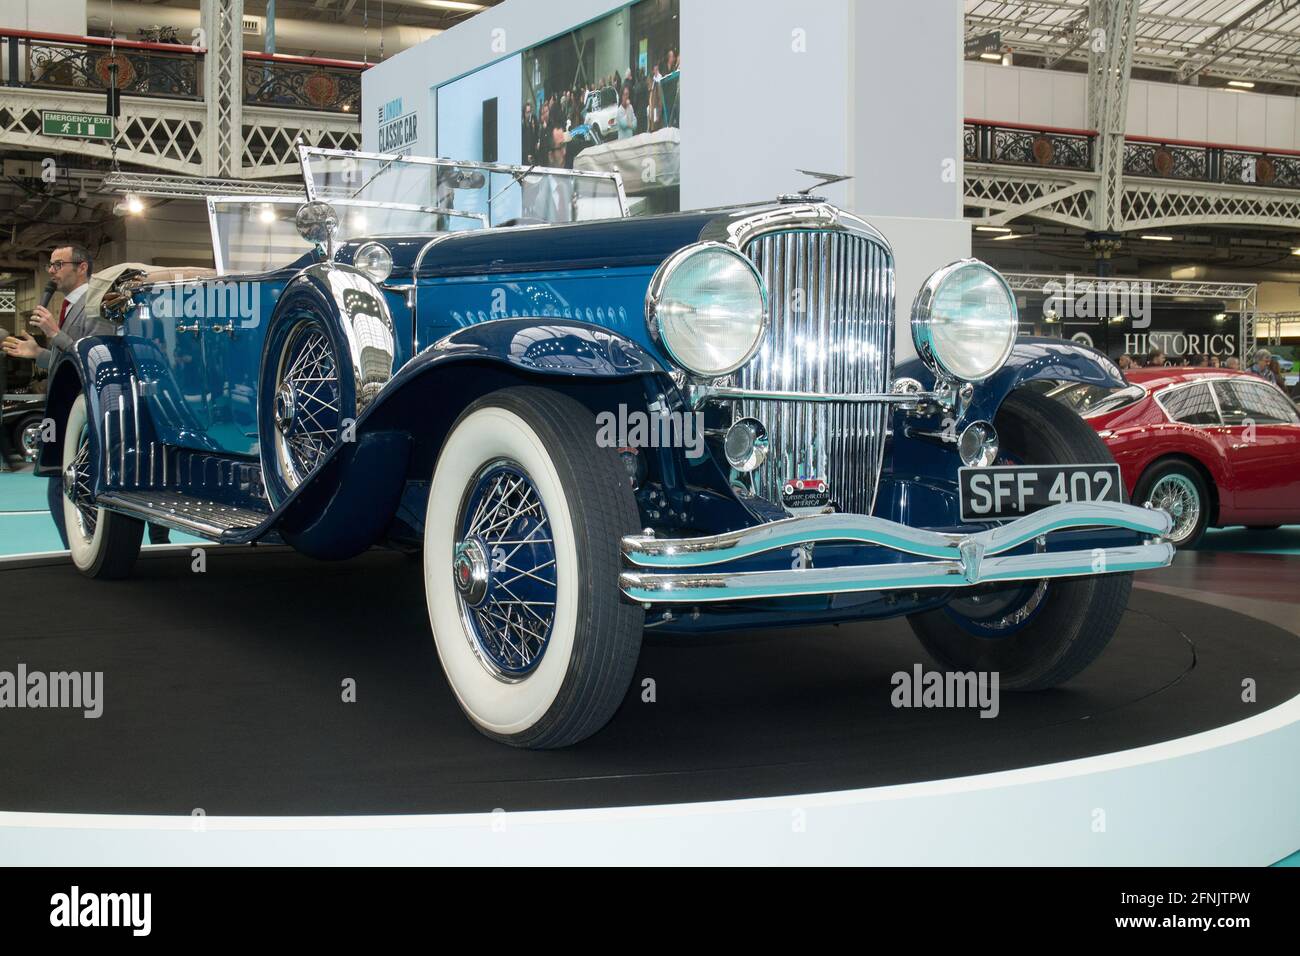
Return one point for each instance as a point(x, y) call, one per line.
point(1000, 492)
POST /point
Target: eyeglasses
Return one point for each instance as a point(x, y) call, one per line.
point(57, 264)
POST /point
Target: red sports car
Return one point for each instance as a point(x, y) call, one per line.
point(1212, 447)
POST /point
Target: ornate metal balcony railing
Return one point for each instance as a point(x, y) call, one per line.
point(1211, 162)
point(1021, 145)
point(302, 82)
point(58, 61)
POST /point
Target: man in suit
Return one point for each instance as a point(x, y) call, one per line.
point(70, 269)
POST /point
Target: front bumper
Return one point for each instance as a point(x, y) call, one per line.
point(947, 560)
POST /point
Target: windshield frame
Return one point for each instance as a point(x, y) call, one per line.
point(305, 153)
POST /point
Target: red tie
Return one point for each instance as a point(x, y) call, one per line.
point(63, 313)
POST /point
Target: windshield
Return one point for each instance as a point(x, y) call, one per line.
point(500, 195)
point(1094, 399)
point(252, 234)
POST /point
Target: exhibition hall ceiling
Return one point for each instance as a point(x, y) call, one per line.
point(1244, 39)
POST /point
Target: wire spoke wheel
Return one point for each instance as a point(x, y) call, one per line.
point(76, 485)
point(504, 569)
point(1176, 494)
point(308, 403)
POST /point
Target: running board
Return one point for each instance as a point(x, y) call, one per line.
point(209, 519)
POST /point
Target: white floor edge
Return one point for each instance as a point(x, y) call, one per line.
point(1199, 800)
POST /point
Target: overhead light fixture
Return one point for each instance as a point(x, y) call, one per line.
point(1241, 84)
point(1011, 235)
point(455, 5)
point(991, 56)
point(268, 213)
point(1295, 252)
point(992, 229)
point(134, 204)
point(1221, 317)
point(1159, 238)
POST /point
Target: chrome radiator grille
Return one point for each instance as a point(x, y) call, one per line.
point(832, 305)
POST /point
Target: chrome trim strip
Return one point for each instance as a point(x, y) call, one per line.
point(702, 394)
point(646, 551)
point(702, 588)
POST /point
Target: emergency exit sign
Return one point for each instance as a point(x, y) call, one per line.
point(78, 125)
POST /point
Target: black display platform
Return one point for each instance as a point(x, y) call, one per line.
point(223, 691)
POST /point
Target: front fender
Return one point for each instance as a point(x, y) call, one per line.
point(99, 366)
point(1031, 358)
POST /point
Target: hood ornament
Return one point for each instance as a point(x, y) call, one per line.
point(806, 194)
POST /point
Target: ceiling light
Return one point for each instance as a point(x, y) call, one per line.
point(1242, 84)
point(1159, 238)
point(1295, 252)
point(992, 229)
point(1221, 317)
point(991, 56)
point(1013, 235)
point(268, 214)
point(455, 5)
point(134, 205)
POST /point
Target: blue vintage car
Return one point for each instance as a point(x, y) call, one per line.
point(589, 425)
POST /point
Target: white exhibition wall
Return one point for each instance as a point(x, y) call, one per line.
point(1023, 95)
point(769, 87)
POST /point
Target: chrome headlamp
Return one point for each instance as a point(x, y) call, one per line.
point(374, 260)
point(707, 308)
point(964, 321)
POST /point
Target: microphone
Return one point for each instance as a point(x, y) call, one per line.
point(46, 295)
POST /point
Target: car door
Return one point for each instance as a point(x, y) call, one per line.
point(167, 346)
point(1263, 446)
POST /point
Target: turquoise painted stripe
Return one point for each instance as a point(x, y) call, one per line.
point(1292, 860)
point(1006, 538)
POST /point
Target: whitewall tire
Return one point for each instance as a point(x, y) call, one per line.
point(521, 561)
point(103, 544)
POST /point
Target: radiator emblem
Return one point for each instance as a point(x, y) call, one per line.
point(806, 493)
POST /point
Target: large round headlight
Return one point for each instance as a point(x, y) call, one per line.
point(708, 308)
point(374, 260)
point(964, 321)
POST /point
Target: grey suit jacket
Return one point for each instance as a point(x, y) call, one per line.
point(77, 325)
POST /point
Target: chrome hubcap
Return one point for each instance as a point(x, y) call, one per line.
point(1177, 495)
point(31, 439)
point(285, 406)
point(470, 571)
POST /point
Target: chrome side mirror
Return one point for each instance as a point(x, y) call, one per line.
point(318, 222)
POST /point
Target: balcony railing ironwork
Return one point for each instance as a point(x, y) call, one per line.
point(56, 61)
point(1151, 157)
point(305, 83)
point(1211, 162)
point(1022, 145)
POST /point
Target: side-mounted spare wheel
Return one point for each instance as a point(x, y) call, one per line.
point(103, 543)
point(521, 561)
point(1035, 634)
point(329, 350)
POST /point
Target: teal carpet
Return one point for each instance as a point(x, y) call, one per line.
point(25, 523)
